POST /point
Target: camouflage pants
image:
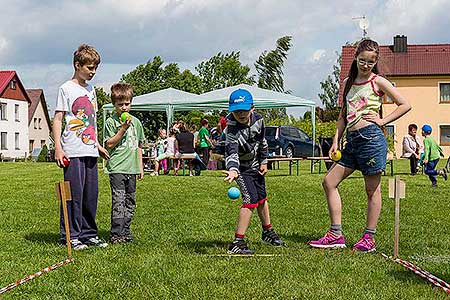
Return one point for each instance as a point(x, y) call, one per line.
point(123, 190)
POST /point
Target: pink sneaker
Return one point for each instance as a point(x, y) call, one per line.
point(329, 241)
point(366, 244)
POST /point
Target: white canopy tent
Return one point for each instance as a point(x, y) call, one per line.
point(262, 99)
point(170, 100)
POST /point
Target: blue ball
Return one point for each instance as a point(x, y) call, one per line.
point(234, 193)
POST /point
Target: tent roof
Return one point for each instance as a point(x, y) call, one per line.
point(217, 99)
point(159, 100)
point(262, 98)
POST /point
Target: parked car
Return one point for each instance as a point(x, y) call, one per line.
point(290, 141)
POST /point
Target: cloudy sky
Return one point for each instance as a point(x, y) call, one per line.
point(37, 38)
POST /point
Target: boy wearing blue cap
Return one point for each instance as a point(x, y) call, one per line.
point(432, 153)
point(246, 153)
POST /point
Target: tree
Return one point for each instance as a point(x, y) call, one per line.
point(330, 86)
point(151, 77)
point(269, 68)
point(223, 70)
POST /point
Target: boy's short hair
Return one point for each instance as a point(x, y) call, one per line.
point(86, 54)
point(204, 122)
point(121, 91)
point(412, 126)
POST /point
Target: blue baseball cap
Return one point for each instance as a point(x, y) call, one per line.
point(240, 99)
point(427, 128)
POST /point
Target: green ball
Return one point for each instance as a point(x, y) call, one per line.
point(124, 116)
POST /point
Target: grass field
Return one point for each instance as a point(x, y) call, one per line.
point(182, 223)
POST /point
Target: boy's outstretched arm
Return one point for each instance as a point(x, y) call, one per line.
point(263, 149)
point(231, 155)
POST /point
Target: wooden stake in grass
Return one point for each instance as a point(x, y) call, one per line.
point(64, 194)
point(397, 189)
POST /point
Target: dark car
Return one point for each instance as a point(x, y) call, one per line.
point(289, 141)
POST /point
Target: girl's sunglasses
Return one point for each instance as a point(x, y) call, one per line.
point(362, 62)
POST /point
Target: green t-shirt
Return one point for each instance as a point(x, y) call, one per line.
point(431, 149)
point(124, 157)
point(201, 136)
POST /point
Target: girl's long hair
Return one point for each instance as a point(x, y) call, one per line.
point(364, 45)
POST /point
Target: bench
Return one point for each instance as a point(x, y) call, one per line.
point(318, 160)
point(292, 161)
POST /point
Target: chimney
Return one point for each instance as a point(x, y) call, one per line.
point(400, 44)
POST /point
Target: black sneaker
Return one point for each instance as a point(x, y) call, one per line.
point(444, 174)
point(270, 237)
point(239, 247)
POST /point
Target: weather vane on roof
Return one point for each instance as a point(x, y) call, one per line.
point(363, 24)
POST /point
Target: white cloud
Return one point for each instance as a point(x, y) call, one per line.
point(318, 55)
point(128, 33)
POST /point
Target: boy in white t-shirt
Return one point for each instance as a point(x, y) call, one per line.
point(78, 143)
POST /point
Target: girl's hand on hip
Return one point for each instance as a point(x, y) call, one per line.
point(373, 117)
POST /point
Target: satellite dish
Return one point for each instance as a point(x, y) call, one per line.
point(364, 23)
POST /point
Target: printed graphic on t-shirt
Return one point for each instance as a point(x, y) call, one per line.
point(84, 122)
point(355, 106)
point(130, 141)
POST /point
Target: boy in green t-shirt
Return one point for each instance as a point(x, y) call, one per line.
point(432, 153)
point(205, 141)
point(124, 140)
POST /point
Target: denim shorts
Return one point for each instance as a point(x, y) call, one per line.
point(366, 150)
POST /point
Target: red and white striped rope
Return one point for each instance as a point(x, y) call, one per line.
point(37, 274)
point(422, 273)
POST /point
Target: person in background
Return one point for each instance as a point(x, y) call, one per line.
point(205, 141)
point(412, 148)
point(432, 153)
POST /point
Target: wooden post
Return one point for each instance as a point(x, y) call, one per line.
point(397, 191)
point(64, 194)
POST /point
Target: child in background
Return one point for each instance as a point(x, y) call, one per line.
point(124, 139)
point(172, 150)
point(77, 103)
point(432, 152)
point(161, 159)
point(366, 147)
point(246, 161)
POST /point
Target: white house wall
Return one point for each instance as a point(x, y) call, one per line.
point(11, 127)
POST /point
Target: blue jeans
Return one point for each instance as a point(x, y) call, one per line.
point(366, 150)
point(430, 170)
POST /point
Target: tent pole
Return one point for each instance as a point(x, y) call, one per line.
point(313, 117)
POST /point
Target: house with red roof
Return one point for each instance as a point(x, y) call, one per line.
point(421, 73)
point(39, 125)
point(14, 102)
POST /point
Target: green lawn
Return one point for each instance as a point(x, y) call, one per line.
point(181, 223)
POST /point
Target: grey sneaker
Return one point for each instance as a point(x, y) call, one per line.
point(95, 241)
point(77, 244)
point(270, 237)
